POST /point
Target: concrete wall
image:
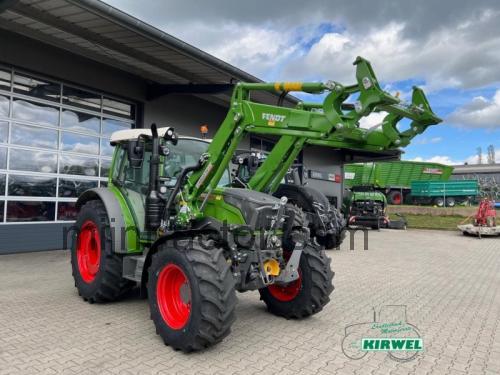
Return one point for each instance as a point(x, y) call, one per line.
point(325, 159)
point(186, 113)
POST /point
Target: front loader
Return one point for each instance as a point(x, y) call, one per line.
point(169, 222)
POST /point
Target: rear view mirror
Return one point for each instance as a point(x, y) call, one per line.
point(170, 136)
point(135, 153)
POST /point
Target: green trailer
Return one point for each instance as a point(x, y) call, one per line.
point(394, 179)
point(443, 193)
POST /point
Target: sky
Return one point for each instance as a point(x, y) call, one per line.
point(450, 48)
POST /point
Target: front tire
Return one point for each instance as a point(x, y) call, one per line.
point(307, 295)
point(97, 270)
point(191, 296)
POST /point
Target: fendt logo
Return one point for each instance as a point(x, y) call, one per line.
point(272, 119)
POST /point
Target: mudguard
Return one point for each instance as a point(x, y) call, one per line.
point(116, 220)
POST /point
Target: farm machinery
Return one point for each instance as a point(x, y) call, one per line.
point(168, 222)
point(484, 221)
point(325, 222)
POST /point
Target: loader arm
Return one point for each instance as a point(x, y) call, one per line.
point(329, 124)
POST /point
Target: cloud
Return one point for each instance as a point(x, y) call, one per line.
point(374, 119)
point(442, 159)
point(479, 113)
point(450, 43)
point(426, 141)
point(454, 56)
point(445, 159)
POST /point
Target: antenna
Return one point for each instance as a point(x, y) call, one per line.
point(479, 155)
point(491, 154)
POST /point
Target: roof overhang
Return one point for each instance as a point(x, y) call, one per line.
point(96, 30)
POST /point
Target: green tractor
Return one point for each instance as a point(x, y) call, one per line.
point(325, 222)
point(169, 222)
point(366, 207)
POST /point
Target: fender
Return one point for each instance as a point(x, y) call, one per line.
point(116, 220)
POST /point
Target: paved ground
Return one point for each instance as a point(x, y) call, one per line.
point(449, 283)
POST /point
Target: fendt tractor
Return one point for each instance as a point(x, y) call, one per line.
point(325, 222)
point(168, 222)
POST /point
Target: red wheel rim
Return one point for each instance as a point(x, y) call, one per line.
point(88, 251)
point(396, 199)
point(173, 294)
point(286, 292)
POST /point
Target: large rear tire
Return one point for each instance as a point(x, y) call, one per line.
point(307, 295)
point(395, 197)
point(97, 270)
point(191, 296)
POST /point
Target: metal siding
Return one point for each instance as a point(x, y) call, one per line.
point(18, 238)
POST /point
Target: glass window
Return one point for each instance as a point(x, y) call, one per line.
point(106, 148)
point(80, 121)
point(81, 98)
point(31, 186)
point(110, 126)
point(4, 106)
point(2, 184)
point(35, 112)
point(117, 108)
point(105, 167)
point(70, 164)
point(73, 188)
point(66, 211)
point(1, 210)
point(30, 211)
point(3, 157)
point(36, 87)
point(80, 143)
point(33, 161)
point(5, 78)
point(4, 131)
point(33, 136)
point(103, 183)
point(187, 152)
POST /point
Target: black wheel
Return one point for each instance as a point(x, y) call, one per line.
point(308, 294)
point(305, 197)
point(439, 201)
point(191, 296)
point(395, 197)
point(97, 270)
point(335, 239)
point(450, 202)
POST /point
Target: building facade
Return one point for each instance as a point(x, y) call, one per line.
point(71, 73)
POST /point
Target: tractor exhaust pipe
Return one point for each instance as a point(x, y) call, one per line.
point(154, 204)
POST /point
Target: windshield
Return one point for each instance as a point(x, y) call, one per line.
point(187, 152)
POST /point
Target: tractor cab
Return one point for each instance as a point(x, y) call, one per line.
point(130, 171)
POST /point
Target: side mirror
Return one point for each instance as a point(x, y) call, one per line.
point(135, 153)
point(170, 136)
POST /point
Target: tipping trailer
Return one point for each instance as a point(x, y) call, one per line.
point(444, 193)
point(394, 179)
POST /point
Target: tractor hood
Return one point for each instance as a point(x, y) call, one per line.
point(254, 206)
